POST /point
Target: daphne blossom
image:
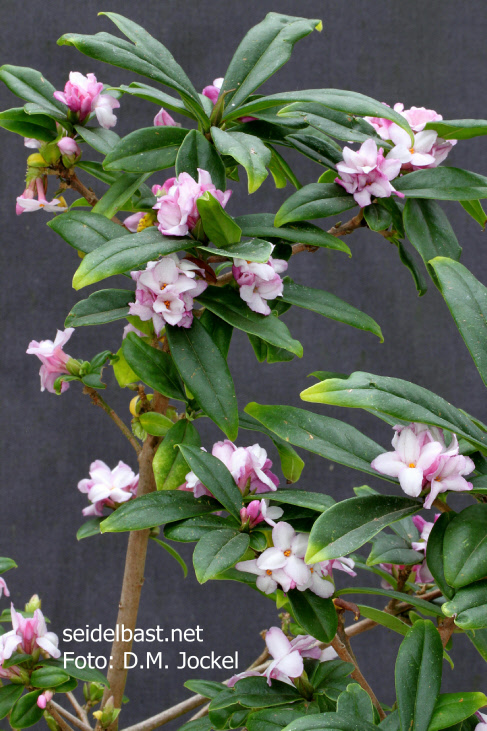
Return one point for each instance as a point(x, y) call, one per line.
point(288, 655)
point(28, 203)
point(68, 146)
point(53, 359)
point(164, 119)
point(131, 222)
point(108, 488)
point(258, 511)
point(30, 633)
point(44, 698)
point(482, 726)
point(213, 90)
point(83, 95)
point(3, 587)
point(165, 292)
point(259, 283)
point(177, 212)
point(366, 172)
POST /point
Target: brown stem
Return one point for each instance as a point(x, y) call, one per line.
point(442, 506)
point(76, 184)
point(84, 726)
point(80, 711)
point(51, 708)
point(344, 654)
point(98, 400)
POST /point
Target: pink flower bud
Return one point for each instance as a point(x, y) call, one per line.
point(68, 146)
point(53, 359)
point(83, 95)
point(164, 119)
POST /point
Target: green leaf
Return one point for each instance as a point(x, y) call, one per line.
point(418, 675)
point(26, 712)
point(248, 151)
point(9, 695)
point(146, 150)
point(220, 331)
point(6, 564)
point(262, 52)
point(271, 719)
point(331, 722)
point(89, 528)
point(48, 677)
point(387, 548)
point(291, 463)
point(217, 224)
point(330, 438)
point(96, 170)
point(217, 551)
point(215, 476)
point(377, 217)
point(355, 701)
point(118, 194)
point(312, 500)
point(38, 126)
point(384, 618)
point(100, 139)
point(409, 262)
point(349, 524)
point(331, 677)
point(188, 531)
point(156, 424)
point(170, 467)
point(399, 399)
point(336, 124)
point(452, 708)
point(423, 606)
point(253, 250)
point(466, 298)
point(459, 129)
point(317, 200)
point(31, 85)
point(474, 209)
point(442, 183)
point(198, 152)
point(153, 367)
point(155, 509)
point(478, 638)
point(106, 305)
point(469, 605)
point(261, 225)
point(315, 615)
point(328, 305)
point(465, 547)
point(429, 230)
point(255, 693)
point(205, 372)
point(86, 231)
point(320, 150)
point(144, 91)
point(122, 371)
point(89, 675)
point(125, 254)
point(172, 552)
point(230, 307)
point(207, 688)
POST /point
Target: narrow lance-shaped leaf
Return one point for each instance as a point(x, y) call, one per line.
point(465, 547)
point(220, 228)
point(198, 152)
point(85, 230)
point(248, 151)
point(155, 509)
point(153, 367)
point(459, 129)
point(100, 308)
point(442, 183)
point(429, 230)
point(31, 85)
point(215, 476)
point(434, 555)
point(38, 126)
point(217, 551)
point(144, 91)
point(100, 139)
point(118, 194)
point(453, 708)
point(317, 200)
point(146, 150)
point(170, 467)
point(253, 250)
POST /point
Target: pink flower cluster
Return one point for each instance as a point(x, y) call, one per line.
point(165, 292)
point(366, 173)
point(422, 574)
point(53, 359)
point(176, 208)
point(26, 636)
point(249, 467)
point(422, 459)
point(83, 95)
point(258, 511)
point(283, 565)
point(108, 488)
point(28, 203)
point(259, 282)
point(427, 151)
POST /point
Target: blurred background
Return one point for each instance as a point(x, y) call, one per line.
point(425, 54)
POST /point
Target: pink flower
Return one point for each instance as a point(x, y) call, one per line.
point(33, 634)
point(366, 173)
point(68, 146)
point(83, 95)
point(32, 143)
point(425, 529)
point(259, 282)
point(164, 119)
point(53, 359)
point(258, 511)
point(131, 329)
point(287, 553)
point(8, 645)
point(108, 488)
point(177, 212)
point(131, 222)
point(44, 698)
point(288, 655)
point(213, 91)
point(165, 292)
point(246, 674)
point(268, 580)
point(482, 726)
point(3, 587)
point(449, 475)
point(26, 203)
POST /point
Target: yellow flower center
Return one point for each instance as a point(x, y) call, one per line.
point(287, 553)
point(411, 464)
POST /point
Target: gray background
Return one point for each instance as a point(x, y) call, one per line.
point(430, 54)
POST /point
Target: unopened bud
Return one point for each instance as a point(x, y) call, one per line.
point(51, 153)
point(36, 161)
point(135, 406)
point(73, 366)
point(33, 604)
point(244, 516)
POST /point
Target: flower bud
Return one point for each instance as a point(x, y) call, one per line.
point(51, 152)
point(33, 604)
point(73, 367)
point(36, 161)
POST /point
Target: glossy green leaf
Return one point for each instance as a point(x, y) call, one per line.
point(37, 126)
point(221, 332)
point(418, 675)
point(317, 200)
point(192, 529)
point(410, 263)
point(386, 619)
point(329, 305)
point(322, 151)
point(125, 254)
point(330, 438)
point(156, 424)
point(394, 397)
point(122, 371)
point(205, 372)
point(312, 500)
point(155, 509)
point(198, 152)
point(100, 139)
point(271, 719)
point(6, 564)
point(230, 307)
point(170, 467)
point(466, 298)
point(336, 124)
point(315, 615)
point(207, 688)
point(474, 209)
point(172, 552)
point(355, 701)
point(30, 84)
point(253, 250)
point(459, 129)
point(48, 677)
point(442, 183)
point(261, 225)
point(387, 548)
point(451, 708)
point(465, 547)
point(26, 712)
point(255, 693)
point(86, 231)
point(217, 551)
point(89, 675)
point(248, 151)
point(265, 48)
point(96, 170)
point(118, 194)
point(9, 695)
point(377, 217)
point(220, 228)
point(478, 638)
point(89, 528)
point(106, 305)
point(215, 476)
point(429, 230)
point(349, 524)
point(423, 606)
point(146, 150)
point(331, 722)
point(151, 94)
point(153, 367)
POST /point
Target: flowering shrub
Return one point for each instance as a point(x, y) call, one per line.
point(195, 271)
